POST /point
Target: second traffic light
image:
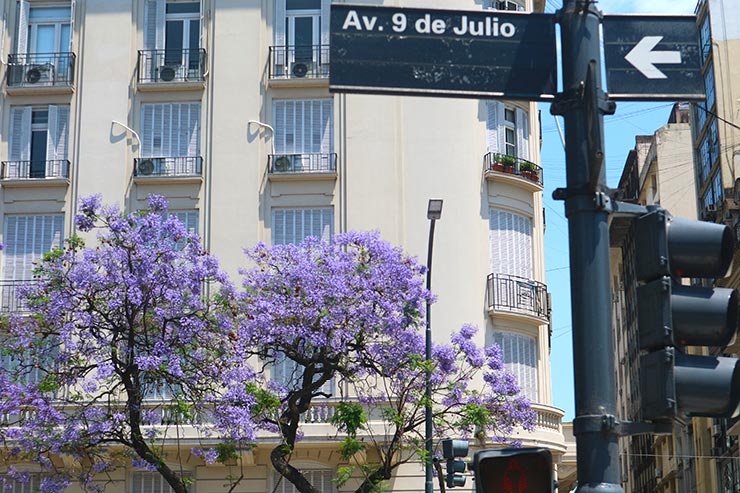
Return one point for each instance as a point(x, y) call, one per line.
point(671, 316)
point(453, 451)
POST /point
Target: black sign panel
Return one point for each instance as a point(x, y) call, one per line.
point(652, 57)
point(450, 53)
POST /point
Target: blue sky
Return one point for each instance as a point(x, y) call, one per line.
point(630, 119)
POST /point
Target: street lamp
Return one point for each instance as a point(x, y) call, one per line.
point(434, 212)
point(126, 127)
point(268, 127)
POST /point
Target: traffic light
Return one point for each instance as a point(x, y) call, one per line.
point(520, 470)
point(453, 450)
point(671, 316)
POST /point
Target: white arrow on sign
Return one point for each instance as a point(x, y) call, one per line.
point(643, 58)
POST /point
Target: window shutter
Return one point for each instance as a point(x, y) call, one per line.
point(327, 125)
point(193, 129)
point(522, 134)
point(510, 239)
point(22, 31)
point(294, 225)
point(189, 219)
point(278, 118)
point(324, 20)
point(147, 127)
point(20, 133)
point(27, 239)
point(492, 124)
point(300, 126)
point(72, 9)
point(279, 23)
point(520, 358)
point(154, 24)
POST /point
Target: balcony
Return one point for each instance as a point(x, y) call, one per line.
point(10, 299)
point(302, 166)
point(299, 63)
point(171, 69)
point(513, 294)
point(180, 169)
point(503, 165)
point(48, 72)
point(31, 173)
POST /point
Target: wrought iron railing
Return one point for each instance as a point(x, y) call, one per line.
point(302, 163)
point(299, 62)
point(516, 294)
point(41, 69)
point(26, 170)
point(168, 166)
point(10, 299)
point(504, 163)
point(164, 66)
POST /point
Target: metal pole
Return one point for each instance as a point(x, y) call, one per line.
point(429, 483)
point(583, 106)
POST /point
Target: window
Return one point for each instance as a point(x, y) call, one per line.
point(520, 358)
point(701, 115)
point(172, 41)
point(510, 243)
point(294, 225)
point(26, 239)
point(287, 372)
point(709, 87)
point(44, 28)
point(38, 142)
point(507, 130)
point(320, 478)
point(171, 131)
point(705, 160)
point(507, 5)
point(153, 482)
point(302, 24)
point(188, 218)
point(705, 39)
point(15, 486)
point(304, 126)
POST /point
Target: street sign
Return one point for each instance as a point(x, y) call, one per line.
point(386, 50)
point(652, 57)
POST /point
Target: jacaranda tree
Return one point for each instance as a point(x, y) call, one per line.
point(122, 347)
point(343, 319)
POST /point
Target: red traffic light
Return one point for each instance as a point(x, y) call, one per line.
point(513, 470)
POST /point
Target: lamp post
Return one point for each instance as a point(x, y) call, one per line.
point(434, 212)
point(268, 127)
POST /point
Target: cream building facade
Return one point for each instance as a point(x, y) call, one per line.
point(127, 98)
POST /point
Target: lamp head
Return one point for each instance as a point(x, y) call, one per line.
point(434, 209)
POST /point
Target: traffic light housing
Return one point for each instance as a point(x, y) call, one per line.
point(522, 470)
point(671, 316)
point(453, 450)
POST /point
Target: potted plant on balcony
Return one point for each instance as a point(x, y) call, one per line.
point(504, 163)
point(529, 171)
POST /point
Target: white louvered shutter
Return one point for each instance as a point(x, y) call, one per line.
point(294, 225)
point(189, 219)
point(153, 482)
point(520, 358)
point(510, 243)
point(57, 139)
point(21, 41)
point(522, 134)
point(27, 239)
point(31, 486)
point(304, 126)
point(72, 10)
point(321, 479)
point(20, 133)
point(492, 124)
point(192, 129)
point(147, 130)
point(279, 25)
point(324, 20)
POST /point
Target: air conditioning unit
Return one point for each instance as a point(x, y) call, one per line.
point(39, 74)
point(282, 164)
point(300, 69)
point(167, 73)
point(145, 167)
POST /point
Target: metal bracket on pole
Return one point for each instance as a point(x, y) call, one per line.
point(610, 425)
